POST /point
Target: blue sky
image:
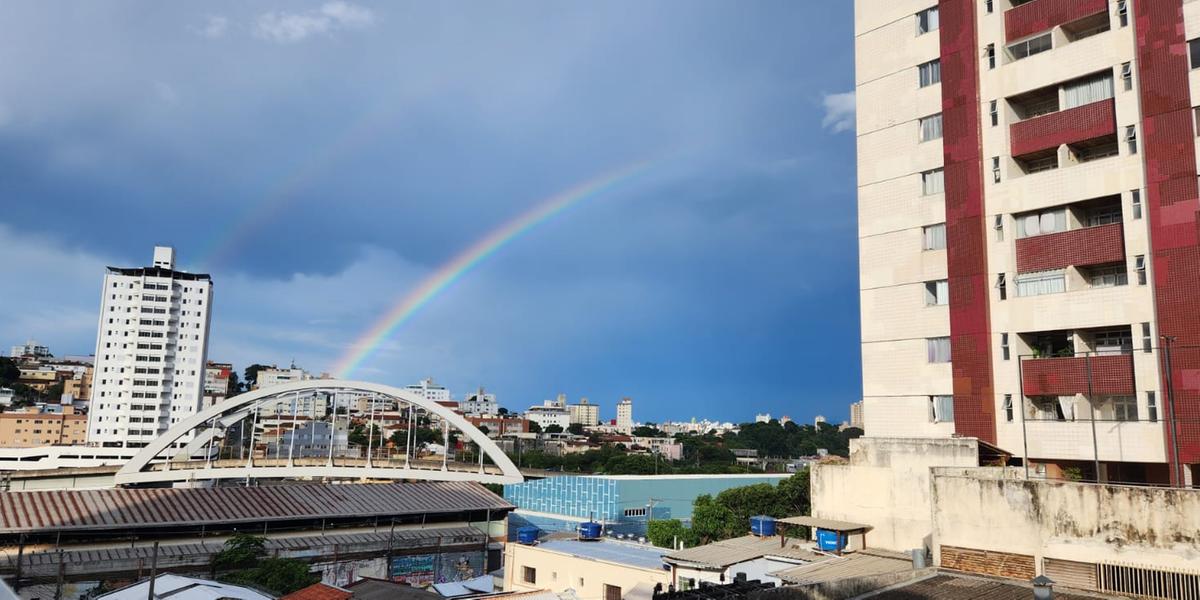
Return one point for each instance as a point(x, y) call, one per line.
point(320, 159)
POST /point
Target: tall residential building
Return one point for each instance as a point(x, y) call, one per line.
point(584, 413)
point(856, 414)
point(150, 351)
point(274, 376)
point(625, 415)
point(429, 390)
point(479, 403)
point(1028, 229)
point(30, 349)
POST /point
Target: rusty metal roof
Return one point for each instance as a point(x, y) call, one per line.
point(138, 508)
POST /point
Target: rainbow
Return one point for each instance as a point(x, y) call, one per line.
point(452, 271)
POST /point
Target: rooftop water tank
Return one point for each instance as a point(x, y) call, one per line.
point(762, 526)
point(527, 535)
point(830, 541)
point(589, 530)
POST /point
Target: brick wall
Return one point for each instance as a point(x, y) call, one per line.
point(1041, 15)
point(1082, 123)
point(1110, 375)
point(986, 562)
point(1078, 247)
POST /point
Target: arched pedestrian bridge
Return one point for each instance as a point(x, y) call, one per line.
point(322, 429)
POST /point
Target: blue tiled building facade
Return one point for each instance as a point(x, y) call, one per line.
point(623, 503)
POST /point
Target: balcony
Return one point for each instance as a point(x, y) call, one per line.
point(1071, 126)
point(1110, 375)
point(1098, 245)
point(1041, 15)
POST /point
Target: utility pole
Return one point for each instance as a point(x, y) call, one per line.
point(153, 571)
point(1176, 468)
point(62, 571)
point(391, 537)
point(20, 558)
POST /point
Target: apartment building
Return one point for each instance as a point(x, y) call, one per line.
point(584, 413)
point(480, 403)
point(151, 350)
point(625, 415)
point(273, 376)
point(32, 427)
point(1028, 229)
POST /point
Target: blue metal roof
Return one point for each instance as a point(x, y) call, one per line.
point(634, 555)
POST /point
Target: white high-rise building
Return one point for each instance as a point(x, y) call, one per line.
point(625, 415)
point(480, 403)
point(430, 390)
point(150, 351)
point(270, 377)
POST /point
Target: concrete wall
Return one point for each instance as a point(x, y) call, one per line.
point(996, 509)
point(887, 486)
point(557, 572)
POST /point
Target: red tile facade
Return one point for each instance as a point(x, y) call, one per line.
point(1078, 247)
point(1171, 203)
point(966, 257)
point(1041, 15)
point(1070, 126)
point(1111, 375)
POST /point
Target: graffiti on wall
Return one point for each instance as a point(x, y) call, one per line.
point(426, 569)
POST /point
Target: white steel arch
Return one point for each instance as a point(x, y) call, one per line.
point(144, 468)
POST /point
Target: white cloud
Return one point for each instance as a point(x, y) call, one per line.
point(214, 27)
point(839, 112)
point(285, 27)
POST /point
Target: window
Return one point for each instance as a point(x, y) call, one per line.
point(995, 169)
point(931, 127)
point(1137, 203)
point(1125, 408)
point(990, 54)
point(635, 512)
point(1040, 223)
point(612, 592)
point(1110, 276)
point(987, 6)
point(941, 409)
point(1131, 138)
point(1002, 285)
point(937, 293)
point(1105, 215)
point(998, 225)
point(1147, 341)
point(1045, 282)
point(933, 182)
point(1004, 350)
point(1151, 406)
point(1008, 408)
point(937, 349)
point(934, 236)
point(994, 111)
point(1139, 265)
point(927, 20)
point(1029, 47)
point(1123, 12)
point(1113, 341)
point(1127, 75)
point(1194, 53)
point(929, 73)
point(1087, 91)
point(529, 575)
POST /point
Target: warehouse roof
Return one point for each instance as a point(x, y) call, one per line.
point(859, 564)
point(633, 555)
point(138, 508)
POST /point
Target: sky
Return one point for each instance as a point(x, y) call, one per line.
point(322, 159)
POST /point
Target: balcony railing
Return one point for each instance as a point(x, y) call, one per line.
point(1070, 126)
point(1094, 374)
point(1098, 245)
point(1041, 15)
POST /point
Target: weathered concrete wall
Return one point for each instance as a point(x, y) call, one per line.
point(887, 486)
point(996, 509)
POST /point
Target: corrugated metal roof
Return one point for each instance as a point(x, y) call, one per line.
point(733, 551)
point(134, 508)
point(830, 524)
point(853, 565)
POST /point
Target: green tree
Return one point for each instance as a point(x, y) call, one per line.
point(575, 428)
point(277, 575)
point(535, 427)
point(554, 428)
point(240, 550)
point(712, 521)
point(251, 373)
point(9, 371)
point(749, 500)
point(234, 387)
point(648, 430)
point(666, 532)
point(794, 494)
